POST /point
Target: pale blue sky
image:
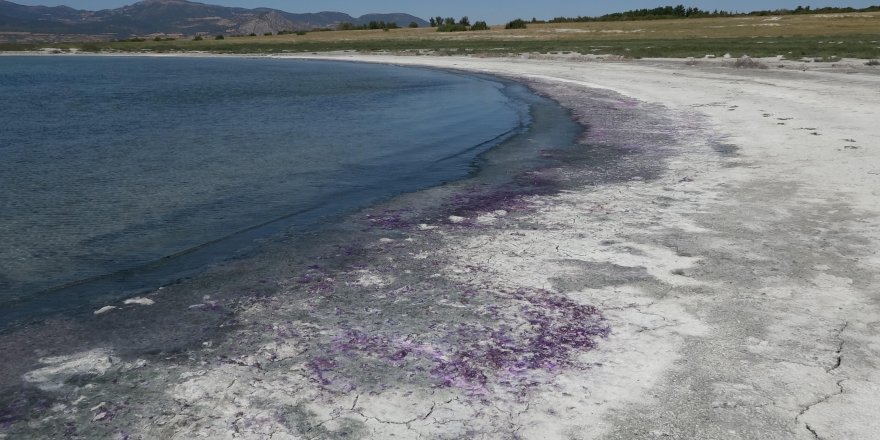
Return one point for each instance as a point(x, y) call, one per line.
point(497, 11)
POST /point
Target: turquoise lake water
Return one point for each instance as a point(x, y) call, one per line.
point(131, 171)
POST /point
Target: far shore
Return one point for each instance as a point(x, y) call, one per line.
point(719, 232)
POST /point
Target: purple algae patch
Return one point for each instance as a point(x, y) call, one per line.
point(537, 336)
point(321, 367)
point(476, 202)
point(390, 219)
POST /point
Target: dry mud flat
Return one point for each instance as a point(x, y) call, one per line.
point(705, 266)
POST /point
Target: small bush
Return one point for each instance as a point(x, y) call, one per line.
point(268, 34)
point(745, 62)
point(455, 27)
point(480, 26)
point(413, 24)
point(198, 38)
point(219, 37)
point(516, 24)
point(873, 63)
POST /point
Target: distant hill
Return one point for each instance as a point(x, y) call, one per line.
point(174, 17)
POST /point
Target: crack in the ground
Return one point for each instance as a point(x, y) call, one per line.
point(392, 422)
point(839, 353)
point(817, 403)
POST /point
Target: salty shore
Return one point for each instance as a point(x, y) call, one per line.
point(705, 266)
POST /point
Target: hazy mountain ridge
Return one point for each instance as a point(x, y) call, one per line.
point(174, 17)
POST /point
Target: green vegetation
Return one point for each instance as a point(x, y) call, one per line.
point(369, 26)
point(219, 37)
point(679, 11)
point(516, 24)
point(480, 26)
point(854, 46)
point(450, 25)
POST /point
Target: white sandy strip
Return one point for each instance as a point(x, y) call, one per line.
point(767, 327)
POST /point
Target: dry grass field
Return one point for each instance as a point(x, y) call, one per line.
point(793, 36)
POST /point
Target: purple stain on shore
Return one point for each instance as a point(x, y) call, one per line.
point(390, 219)
point(520, 351)
point(537, 179)
point(474, 201)
point(320, 367)
point(20, 409)
point(317, 281)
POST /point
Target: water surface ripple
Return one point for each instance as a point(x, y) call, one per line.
point(115, 168)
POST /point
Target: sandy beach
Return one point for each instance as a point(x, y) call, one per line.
point(707, 268)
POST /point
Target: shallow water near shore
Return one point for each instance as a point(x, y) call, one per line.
point(124, 174)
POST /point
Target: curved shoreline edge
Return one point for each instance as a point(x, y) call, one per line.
point(736, 268)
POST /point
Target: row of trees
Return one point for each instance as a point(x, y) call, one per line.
point(680, 11)
point(371, 26)
point(449, 24)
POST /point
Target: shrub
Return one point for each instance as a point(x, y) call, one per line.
point(745, 62)
point(268, 34)
point(454, 27)
point(413, 24)
point(480, 26)
point(873, 63)
point(219, 37)
point(198, 38)
point(516, 24)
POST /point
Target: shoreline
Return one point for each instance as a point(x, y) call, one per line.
point(731, 252)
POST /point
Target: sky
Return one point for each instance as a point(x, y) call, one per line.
point(495, 11)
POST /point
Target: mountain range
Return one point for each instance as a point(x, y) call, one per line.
point(173, 17)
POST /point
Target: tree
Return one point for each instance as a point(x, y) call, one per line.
point(432, 22)
point(413, 24)
point(516, 24)
point(449, 21)
point(438, 21)
point(465, 21)
point(480, 26)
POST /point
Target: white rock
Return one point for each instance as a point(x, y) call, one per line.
point(139, 301)
point(105, 309)
point(58, 369)
point(456, 219)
